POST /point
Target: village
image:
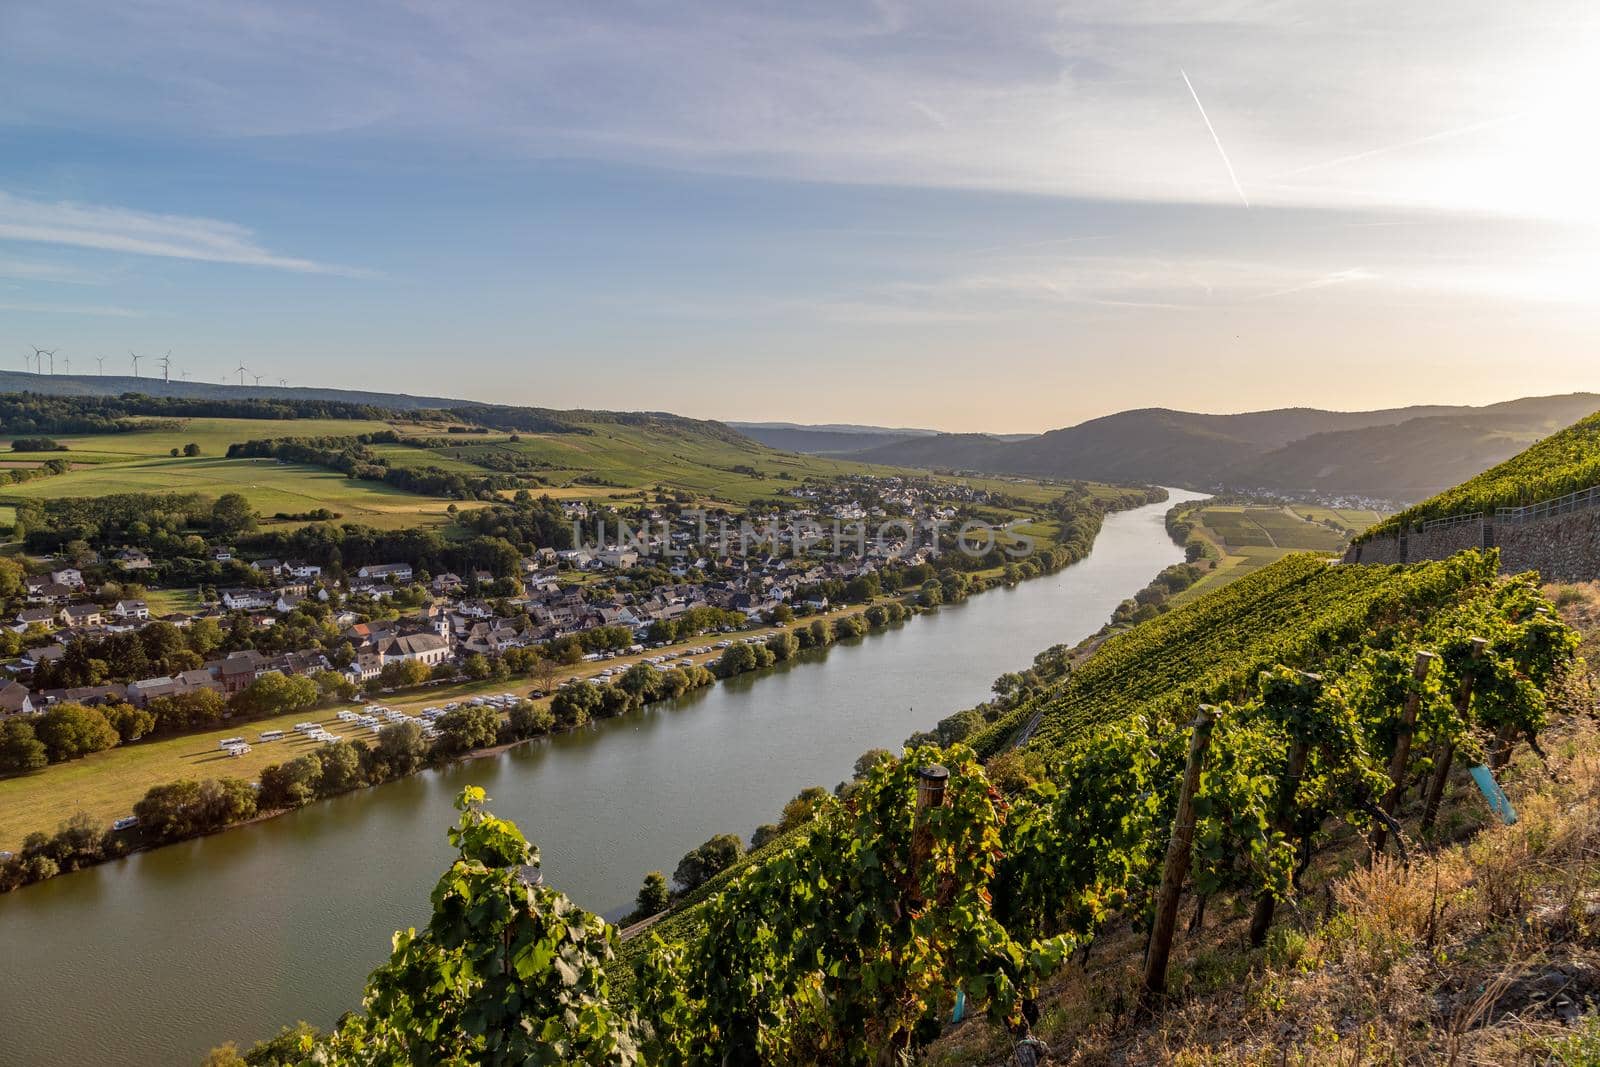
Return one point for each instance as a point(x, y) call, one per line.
point(667, 578)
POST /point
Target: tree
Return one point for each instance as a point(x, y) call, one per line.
point(468, 728)
point(575, 704)
point(653, 898)
point(527, 719)
point(764, 833)
point(783, 646)
point(401, 748)
point(341, 768)
point(292, 784)
point(131, 723)
point(275, 693)
point(476, 667)
point(167, 812)
point(403, 673)
point(870, 759)
point(187, 711)
point(20, 749)
point(12, 576)
point(191, 449)
point(334, 686)
point(70, 730)
point(224, 1055)
point(232, 514)
point(700, 865)
point(800, 808)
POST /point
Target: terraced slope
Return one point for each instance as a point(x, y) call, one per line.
point(1561, 463)
point(1208, 649)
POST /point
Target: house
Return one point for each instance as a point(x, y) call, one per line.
point(15, 700)
point(365, 667)
point(237, 670)
point(446, 584)
point(267, 566)
point(222, 554)
point(68, 576)
point(287, 602)
point(114, 693)
point(43, 654)
point(28, 617)
point(619, 558)
point(132, 609)
point(140, 693)
point(81, 615)
point(429, 649)
point(45, 590)
point(245, 599)
point(305, 572)
point(390, 572)
point(134, 559)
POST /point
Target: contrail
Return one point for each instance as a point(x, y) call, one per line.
point(1217, 140)
point(1442, 135)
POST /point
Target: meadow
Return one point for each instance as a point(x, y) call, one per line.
point(1250, 537)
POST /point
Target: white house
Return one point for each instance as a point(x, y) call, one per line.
point(429, 649)
point(245, 599)
point(131, 609)
point(68, 576)
point(392, 572)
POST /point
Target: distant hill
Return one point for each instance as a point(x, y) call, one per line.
point(838, 439)
point(824, 440)
point(499, 416)
point(116, 384)
point(1398, 454)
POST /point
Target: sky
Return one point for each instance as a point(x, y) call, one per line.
point(963, 216)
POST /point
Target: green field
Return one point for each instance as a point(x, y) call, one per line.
point(1250, 537)
point(141, 462)
point(615, 461)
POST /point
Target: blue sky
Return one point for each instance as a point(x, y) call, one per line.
point(950, 215)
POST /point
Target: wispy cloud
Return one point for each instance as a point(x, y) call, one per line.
point(118, 229)
point(92, 310)
point(1032, 96)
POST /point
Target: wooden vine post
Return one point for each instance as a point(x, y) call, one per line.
point(1177, 865)
point(1283, 814)
point(1446, 753)
point(1402, 748)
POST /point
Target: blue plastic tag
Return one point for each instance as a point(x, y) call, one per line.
point(1494, 794)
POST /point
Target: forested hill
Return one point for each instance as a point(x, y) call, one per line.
point(63, 403)
point(152, 385)
point(1396, 454)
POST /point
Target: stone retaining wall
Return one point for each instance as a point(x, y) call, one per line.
point(1561, 547)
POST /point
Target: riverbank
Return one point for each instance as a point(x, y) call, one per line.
point(283, 919)
point(105, 786)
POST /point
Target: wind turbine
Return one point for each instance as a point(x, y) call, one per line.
point(102, 361)
point(38, 357)
point(136, 359)
point(283, 382)
point(166, 366)
point(65, 359)
point(240, 370)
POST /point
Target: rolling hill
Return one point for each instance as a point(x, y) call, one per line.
point(1398, 454)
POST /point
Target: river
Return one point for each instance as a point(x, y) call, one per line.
point(153, 959)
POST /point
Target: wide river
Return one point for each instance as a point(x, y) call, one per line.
point(153, 959)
